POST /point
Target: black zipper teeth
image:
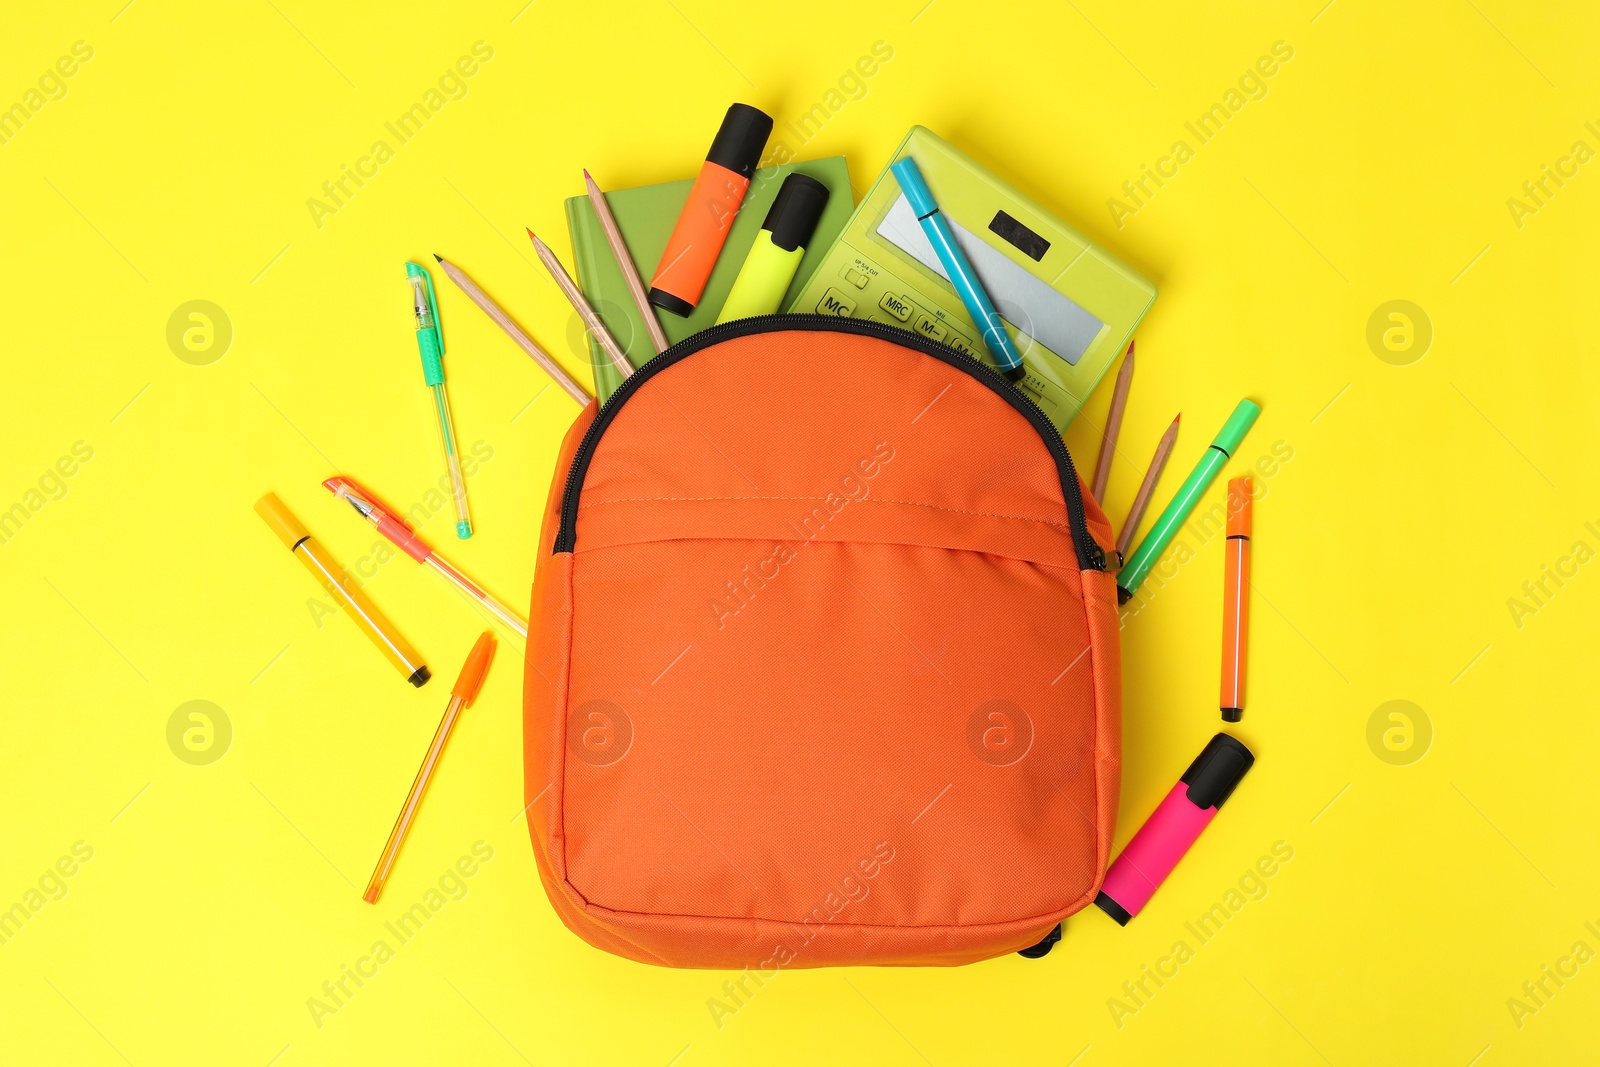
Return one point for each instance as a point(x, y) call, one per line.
point(1090, 554)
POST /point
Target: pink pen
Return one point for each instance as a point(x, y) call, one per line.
point(1164, 838)
point(396, 530)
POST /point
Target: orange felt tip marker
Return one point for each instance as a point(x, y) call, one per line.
point(1236, 600)
point(707, 215)
point(462, 695)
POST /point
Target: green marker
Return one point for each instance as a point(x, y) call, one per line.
point(431, 346)
point(1177, 513)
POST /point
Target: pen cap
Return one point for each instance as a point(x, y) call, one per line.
point(1238, 424)
point(1239, 503)
point(740, 139)
point(909, 175)
point(281, 520)
point(795, 211)
point(1214, 773)
point(472, 672)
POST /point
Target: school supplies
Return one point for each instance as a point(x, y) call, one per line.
point(676, 605)
point(515, 332)
point(574, 296)
point(1175, 825)
point(778, 249)
point(462, 695)
point(431, 345)
point(1073, 305)
point(624, 260)
point(1108, 443)
point(957, 271)
point(345, 592)
point(645, 216)
point(714, 200)
point(1141, 501)
point(1236, 600)
point(398, 531)
point(1177, 512)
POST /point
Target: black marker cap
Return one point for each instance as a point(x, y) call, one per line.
point(1113, 909)
point(1214, 773)
point(740, 140)
point(795, 211)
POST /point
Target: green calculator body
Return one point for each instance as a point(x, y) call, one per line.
point(1070, 304)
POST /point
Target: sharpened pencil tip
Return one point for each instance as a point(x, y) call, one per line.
point(586, 176)
point(438, 257)
point(1130, 347)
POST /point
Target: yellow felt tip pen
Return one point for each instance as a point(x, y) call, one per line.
point(345, 592)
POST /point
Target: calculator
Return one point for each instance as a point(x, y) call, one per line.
point(1070, 304)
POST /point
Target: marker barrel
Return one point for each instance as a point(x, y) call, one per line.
point(1236, 600)
point(707, 215)
point(343, 589)
point(1175, 825)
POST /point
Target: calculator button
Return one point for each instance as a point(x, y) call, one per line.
point(855, 278)
point(931, 329)
point(896, 306)
point(961, 345)
point(836, 303)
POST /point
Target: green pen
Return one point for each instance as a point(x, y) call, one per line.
point(1177, 513)
point(431, 345)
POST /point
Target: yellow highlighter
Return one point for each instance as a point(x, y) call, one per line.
point(344, 591)
point(778, 249)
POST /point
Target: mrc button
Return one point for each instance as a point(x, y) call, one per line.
point(896, 306)
point(836, 303)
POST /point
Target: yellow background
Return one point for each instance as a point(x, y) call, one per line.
point(1419, 499)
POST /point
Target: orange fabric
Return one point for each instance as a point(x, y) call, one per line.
point(821, 681)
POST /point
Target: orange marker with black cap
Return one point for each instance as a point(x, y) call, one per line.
point(707, 215)
point(1236, 600)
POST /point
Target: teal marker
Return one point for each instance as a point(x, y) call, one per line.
point(431, 346)
point(1177, 513)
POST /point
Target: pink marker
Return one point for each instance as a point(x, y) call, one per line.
point(1164, 838)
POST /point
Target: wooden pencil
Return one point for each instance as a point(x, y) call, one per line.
point(580, 304)
point(1158, 463)
point(1108, 444)
point(515, 332)
point(630, 273)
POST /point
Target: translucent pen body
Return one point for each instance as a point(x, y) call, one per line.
point(430, 346)
point(408, 811)
point(467, 586)
point(452, 461)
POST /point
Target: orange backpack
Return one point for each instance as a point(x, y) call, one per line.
point(824, 666)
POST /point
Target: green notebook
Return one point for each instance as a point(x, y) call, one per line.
point(646, 215)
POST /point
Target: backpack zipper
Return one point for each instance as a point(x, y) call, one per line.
point(1090, 555)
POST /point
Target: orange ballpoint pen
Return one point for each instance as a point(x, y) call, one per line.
point(465, 691)
point(1236, 600)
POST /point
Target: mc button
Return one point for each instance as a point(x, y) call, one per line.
point(836, 303)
